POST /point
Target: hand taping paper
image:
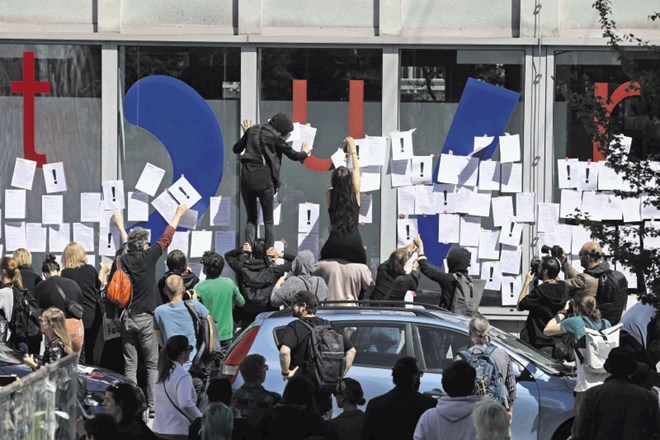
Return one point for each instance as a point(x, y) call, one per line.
point(184, 192)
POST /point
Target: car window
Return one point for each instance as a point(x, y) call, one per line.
point(440, 346)
point(376, 345)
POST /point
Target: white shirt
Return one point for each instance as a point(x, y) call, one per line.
point(168, 419)
point(7, 304)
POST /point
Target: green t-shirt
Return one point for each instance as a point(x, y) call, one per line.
point(219, 295)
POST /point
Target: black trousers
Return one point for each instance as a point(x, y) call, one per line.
point(266, 198)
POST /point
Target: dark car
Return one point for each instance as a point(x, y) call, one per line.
point(96, 379)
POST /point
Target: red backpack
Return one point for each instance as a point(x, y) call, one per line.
point(120, 288)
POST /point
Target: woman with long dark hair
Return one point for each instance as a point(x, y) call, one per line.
point(11, 277)
point(345, 241)
point(175, 401)
point(587, 315)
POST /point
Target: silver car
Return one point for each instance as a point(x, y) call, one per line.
point(382, 334)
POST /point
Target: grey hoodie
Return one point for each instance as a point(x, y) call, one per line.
point(300, 278)
point(450, 419)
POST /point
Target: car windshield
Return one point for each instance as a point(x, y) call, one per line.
point(544, 362)
point(9, 356)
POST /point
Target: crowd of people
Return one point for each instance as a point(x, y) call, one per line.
point(159, 344)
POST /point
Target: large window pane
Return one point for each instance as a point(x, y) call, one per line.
point(215, 74)
point(67, 125)
point(328, 73)
point(431, 84)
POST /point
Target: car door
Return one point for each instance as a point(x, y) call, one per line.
point(437, 346)
point(378, 345)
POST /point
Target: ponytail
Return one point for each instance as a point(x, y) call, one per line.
point(585, 305)
point(168, 354)
point(11, 271)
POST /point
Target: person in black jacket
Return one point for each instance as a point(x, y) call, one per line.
point(24, 259)
point(392, 281)
point(255, 264)
point(177, 265)
point(263, 146)
point(543, 303)
point(458, 261)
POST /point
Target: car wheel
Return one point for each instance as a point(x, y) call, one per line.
point(564, 431)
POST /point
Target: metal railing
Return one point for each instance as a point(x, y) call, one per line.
point(41, 405)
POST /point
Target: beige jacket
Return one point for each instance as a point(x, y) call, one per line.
point(580, 281)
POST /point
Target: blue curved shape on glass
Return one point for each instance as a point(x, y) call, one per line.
point(182, 120)
point(483, 109)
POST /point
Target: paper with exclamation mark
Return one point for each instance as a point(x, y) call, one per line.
point(54, 177)
point(421, 169)
point(184, 192)
point(308, 218)
point(113, 194)
point(492, 274)
point(511, 287)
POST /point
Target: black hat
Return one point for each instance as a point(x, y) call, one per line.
point(620, 362)
point(281, 123)
point(306, 297)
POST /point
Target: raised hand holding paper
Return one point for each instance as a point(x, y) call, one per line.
point(54, 177)
point(184, 192)
point(406, 230)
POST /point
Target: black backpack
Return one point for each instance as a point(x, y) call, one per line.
point(25, 315)
point(612, 295)
point(467, 295)
point(256, 287)
point(327, 361)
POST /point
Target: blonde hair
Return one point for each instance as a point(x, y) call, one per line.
point(23, 257)
point(74, 256)
point(54, 317)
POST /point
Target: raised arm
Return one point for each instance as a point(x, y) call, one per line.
point(525, 288)
point(118, 218)
point(357, 179)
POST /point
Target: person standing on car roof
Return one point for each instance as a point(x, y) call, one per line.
point(295, 343)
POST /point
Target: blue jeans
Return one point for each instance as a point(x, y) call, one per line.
point(138, 331)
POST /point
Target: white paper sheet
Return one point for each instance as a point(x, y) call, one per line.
point(510, 258)
point(449, 228)
point(36, 237)
point(474, 269)
point(339, 158)
point(511, 287)
point(421, 169)
point(375, 148)
point(608, 179)
point(649, 212)
point(54, 177)
point(581, 235)
point(113, 194)
point(548, 217)
point(565, 237)
point(511, 175)
point(220, 211)
point(308, 242)
point(624, 141)
point(200, 242)
point(489, 244)
point(166, 205)
point(526, 207)
point(566, 176)
point(470, 173)
point(445, 197)
point(105, 218)
point(58, 237)
point(300, 134)
point(90, 207)
point(224, 241)
point(463, 200)
point(451, 167)
point(23, 176)
point(511, 232)
point(15, 236)
point(184, 192)
point(587, 175)
point(400, 172)
point(491, 272)
point(570, 201)
point(402, 144)
point(425, 201)
point(502, 210)
point(481, 142)
point(592, 205)
point(489, 175)
point(180, 241)
point(649, 242)
point(15, 203)
point(84, 235)
point(108, 240)
point(308, 218)
point(189, 219)
point(480, 203)
point(510, 148)
point(366, 209)
point(470, 230)
point(611, 206)
point(406, 200)
point(138, 206)
point(52, 210)
point(632, 209)
point(369, 178)
point(150, 179)
point(406, 230)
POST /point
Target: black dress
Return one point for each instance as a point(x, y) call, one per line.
point(347, 246)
